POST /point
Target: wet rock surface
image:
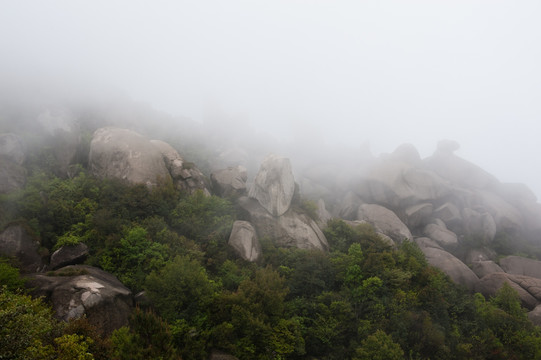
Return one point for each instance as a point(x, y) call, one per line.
point(79, 290)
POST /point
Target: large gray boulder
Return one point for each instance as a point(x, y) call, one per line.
point(69, 255)
point(385, 221)
point(480, 254)
point(274, 185)
point(18, 243)
point(192, 180)
point(244, 240)
point(12, 148)
point(125, 154)
point(78, 290)
point(535, 315)
point(506, 216)
point(479, 225)
point(396, 183)
point(449, 213)
point(528, 288)
point(384, 238)
point(406, 153)
point(186, 176)
point(323, 215)
point(440, 234)
point(525, 201)
point(521, 266)
point(452, 266)
point(418, 215)
point(289, 230)
point(424, 242)
point(349, 206)
point(485, 267)
point(172, 159)
point(230, 182)
point(458, 171)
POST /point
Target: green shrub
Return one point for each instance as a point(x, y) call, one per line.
point(9, 276)
point(203, 218)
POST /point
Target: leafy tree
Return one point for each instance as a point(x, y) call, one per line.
point(507, 299)
point(379, 346)
point(24, 324)
point(98, 345)
point(159, 231)
point(203, 218)
point(231, 275)
point(181, 290)
point(134, 257)
point(254, 319)
point(286, 338)
point(341, 235)
point(148, 337)
point(183, 293)
point(70, 347)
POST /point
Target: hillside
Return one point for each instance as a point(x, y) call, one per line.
point(150, 237)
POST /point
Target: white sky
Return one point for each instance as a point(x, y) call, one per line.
point(340, 71)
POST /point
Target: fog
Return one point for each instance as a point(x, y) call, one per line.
point(336, 74)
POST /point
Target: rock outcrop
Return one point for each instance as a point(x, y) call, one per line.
point(172, 159)
point(453, 208)
point(274, 185)
point(450, 214)
point(244, 240)
point(458, 171)
point(519, 265)
point(230, 182)
point(69, 255)
point(186, 176)
point(268, 209)
point(535, 315)
point(394, 183)
point(450, 265)
point(348, 207)
point(323, 215)
point(18, 243)
point(418, 215)
point(385, 221)
point(292, 229)
point(440, 234)
point(479, 225)
point(79, 290)
point(485, 267)
point(127, 155)
point(528, 288)
point(124, 154)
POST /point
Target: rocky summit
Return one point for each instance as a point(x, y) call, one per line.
point(150, 230)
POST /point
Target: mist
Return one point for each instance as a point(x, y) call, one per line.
point(304, 78)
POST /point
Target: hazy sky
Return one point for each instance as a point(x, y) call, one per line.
point(339, 71)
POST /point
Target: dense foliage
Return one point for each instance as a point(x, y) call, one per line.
point(361, 300)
